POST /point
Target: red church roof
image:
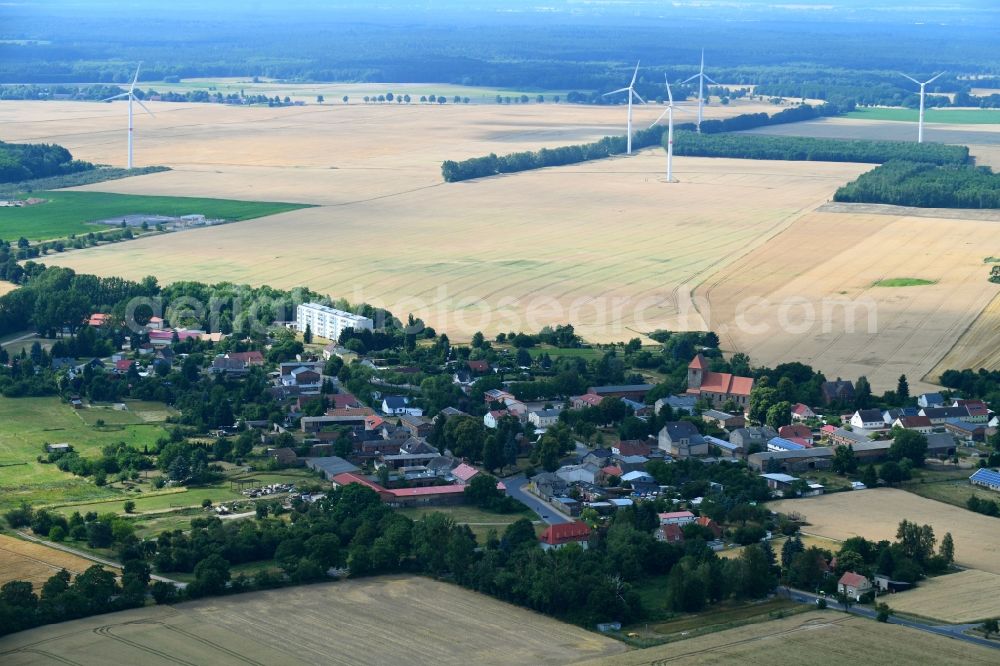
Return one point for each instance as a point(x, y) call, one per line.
point(697, 363)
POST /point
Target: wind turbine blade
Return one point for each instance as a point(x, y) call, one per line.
point(660, 118)
point(711, 80)
point(615, 92)
point(702, 71)
point(670, 95)
point(634, 74)
point(124, 94)
point(910, 78)
point(691, 78)
point(139, 102)
point(931, 79)
point(640, 97)
point(135, 79)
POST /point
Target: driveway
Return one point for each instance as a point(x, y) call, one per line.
point(516, 489)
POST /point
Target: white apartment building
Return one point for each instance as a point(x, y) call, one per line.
point(326, 322)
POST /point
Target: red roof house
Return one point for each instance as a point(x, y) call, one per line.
point(557, 536)
point(250, 357)
point(464, 473)
point(670, 533)
point(795, 430)
point(480, 367)
point(123, 365)
point(97, 320)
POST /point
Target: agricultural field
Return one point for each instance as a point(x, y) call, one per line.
point(6, 287)
point(808, 540)
point(970, 135)
point(938, 116)
point(875, 514)
point(65, 213)
point(431, 622)
point(135, 412)
point(26, 424)
point(901, 330)
point(977, 346)
point(814, 638)
point(25, 560)
point(951, 491)
point(478, 520)
point(962, 598)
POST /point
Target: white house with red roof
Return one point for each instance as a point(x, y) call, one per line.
point(801, 412)
point(463, 473)
point(677, 518)
point(493, 418)
point(717, 387)
point(557, 536)
point(854, 585)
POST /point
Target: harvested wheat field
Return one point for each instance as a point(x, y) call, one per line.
point(388, 620)
point(6, 287)
point(828, 263)
point(876, 513)
point(24, 560)
point(979, 345)
point(811, 638)
point(965, 597)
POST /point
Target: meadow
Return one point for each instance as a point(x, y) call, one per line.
point(814, 638)
point(26, 424)
point(24, 560)
point(387, 620)
point(66, 213)
point(875, 514)
point(961, 598)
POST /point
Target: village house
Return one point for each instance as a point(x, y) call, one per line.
point(853, 585)
point(585, 472)
point(543, 418)
point(633, 447)
point(99, 319)
point(920, 424)
point(796, 432)
point(754, 436)
point(253, 359)
point(58, 448)
point(868, 419)
point(782, 444)
point(585, 400)
point(493, 418)
point(802, 412)
point(940, 415)
point(978, 411)
point(682, 440)
point(724, 420)
point(497, 395)
point(395, 405)
point(801, 460)
point(842, 436)
point(930, 400)
point(717, 387)
point(670, 533)
point(970, 432)
point(417, 426)
point(678, 403)
point(841, 390)
point(676, 518)
point(726, 449)
point(557, 536)
point(890, 415)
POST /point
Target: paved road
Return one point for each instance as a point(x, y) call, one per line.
point(515, 488)
point(955, 631)
point(93, 558)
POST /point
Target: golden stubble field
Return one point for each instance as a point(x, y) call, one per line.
point(811, 638)
point(876, 513)
point(24, 560)
point(826, 264)
point(6, 287)
point(965, 597)
point(388, 620)
point(606, 245)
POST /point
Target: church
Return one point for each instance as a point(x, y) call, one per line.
point(717, 387)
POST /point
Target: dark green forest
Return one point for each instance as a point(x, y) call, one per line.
point(907, 183)
point(25, 161)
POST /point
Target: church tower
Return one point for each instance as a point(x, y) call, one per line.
point(696, 372)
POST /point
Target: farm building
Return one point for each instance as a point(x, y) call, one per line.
point(330, 466)
point(635, 392)
point(987, 478)
point(557, 536)
point(677, 518)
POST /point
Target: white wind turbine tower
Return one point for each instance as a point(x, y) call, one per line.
point(131, 97)
point(669, 113)
point(630, 89)
point(702, 77)
point(923, 86)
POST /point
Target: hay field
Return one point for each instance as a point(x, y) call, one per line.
point(811, 638)
point(977, 346)
point(24, 560)
point(7, 287)
point(389, 620)
point(825, 259)
point(965, 597)
point(876, 513)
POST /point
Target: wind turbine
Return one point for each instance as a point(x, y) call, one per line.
point(630, 88)
point(923, 86)
point(702, 77)
point(669, 113)
point(131, 97)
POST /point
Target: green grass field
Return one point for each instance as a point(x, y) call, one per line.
point(479, 521)
point(26, 424)
point(903, 282)
point(947, 116)
point(955, 491)
point(67, 213)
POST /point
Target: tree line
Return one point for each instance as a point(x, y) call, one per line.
point(907, 183)
point(491, 165)
point(759, 147)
